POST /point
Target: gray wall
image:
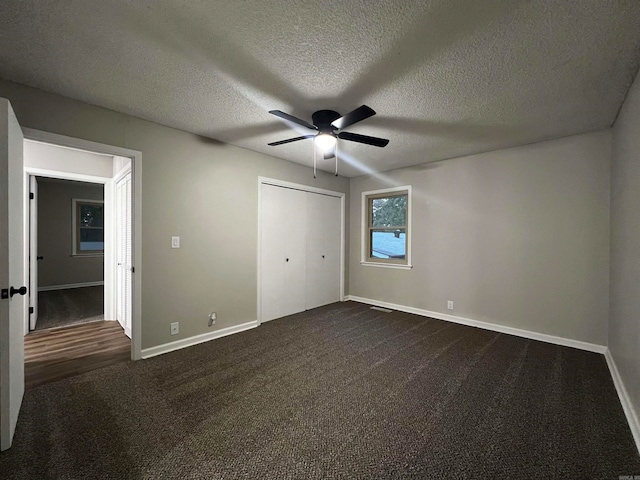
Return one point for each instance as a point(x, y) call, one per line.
point(202, 190)
point(624, 319)
point(55, 234)
point(517, 237)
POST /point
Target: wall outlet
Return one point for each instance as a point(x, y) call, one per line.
point(175, 242)
point(449, 304)
point(175, 328)
point(212, 318)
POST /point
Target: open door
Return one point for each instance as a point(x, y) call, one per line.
point(123, 252)
point(13, 304)
point(33, 251)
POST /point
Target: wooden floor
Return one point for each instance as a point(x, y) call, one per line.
point(63, 352)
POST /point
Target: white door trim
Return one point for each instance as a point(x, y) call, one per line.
point(32, 236)
point(136, 159)
point(108, 217)
point(304, 188)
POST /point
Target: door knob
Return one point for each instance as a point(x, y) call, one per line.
point(39, 257)
point(21, 291)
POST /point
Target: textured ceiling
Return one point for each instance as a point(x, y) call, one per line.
point(447, 77)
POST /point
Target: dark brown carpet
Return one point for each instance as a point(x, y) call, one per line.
point(71, 306)
point(337, 392)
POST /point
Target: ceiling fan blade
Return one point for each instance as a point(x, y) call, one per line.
point(289, 140)
point(293, 119)
point(356, 116)
point(355, 137)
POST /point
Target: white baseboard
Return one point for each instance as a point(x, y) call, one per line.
point(205, 337)
point(627, 406)
point(568, 342)
point(70, 285)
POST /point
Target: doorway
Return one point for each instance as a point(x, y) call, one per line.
point(66, 238)
point(75, 220)
point(111, 167)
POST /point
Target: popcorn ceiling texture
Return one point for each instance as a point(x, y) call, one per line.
point(447, 78)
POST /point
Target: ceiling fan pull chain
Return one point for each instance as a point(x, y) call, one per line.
point(315, 157)
point(336, 155)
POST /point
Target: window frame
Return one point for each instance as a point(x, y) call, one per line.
point(75, 241)
point(366, 226)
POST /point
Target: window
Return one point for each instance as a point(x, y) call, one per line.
point(386, 222)
point(88, 227)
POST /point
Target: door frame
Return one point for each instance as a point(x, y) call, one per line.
point(109, 195)
point(32, 237)
point(304, 188)
point(44, 173)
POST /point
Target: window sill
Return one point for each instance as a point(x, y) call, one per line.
point(387, 265)
point(87, 255)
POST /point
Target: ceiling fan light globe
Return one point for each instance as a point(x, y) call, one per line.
point(325, 142)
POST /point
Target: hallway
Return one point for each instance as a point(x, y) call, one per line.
point(58, 353)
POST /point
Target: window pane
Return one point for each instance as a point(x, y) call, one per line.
point(389, 211)
point(388, 243)
point(91, 239)
point(90, 215)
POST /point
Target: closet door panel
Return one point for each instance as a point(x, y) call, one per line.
point(283, 253)
point(272, 266)
point(294, 235)
point(323, 250)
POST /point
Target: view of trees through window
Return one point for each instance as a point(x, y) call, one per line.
point(388, 227)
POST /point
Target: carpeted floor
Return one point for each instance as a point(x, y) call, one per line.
point(341, 391)
point(71, 306)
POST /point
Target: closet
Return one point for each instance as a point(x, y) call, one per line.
point(300, 250)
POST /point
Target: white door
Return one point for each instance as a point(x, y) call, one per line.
point(282, 255)
point(13, 306)
point(123, 253)
point(323, 250)
point(295, 262)
point(33, 251)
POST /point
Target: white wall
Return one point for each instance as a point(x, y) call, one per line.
point(516, 237)
point(67, 160)
point(624, 319)
point(119, 164)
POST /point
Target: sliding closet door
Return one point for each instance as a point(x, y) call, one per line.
point(323, 250)
point(283, 252)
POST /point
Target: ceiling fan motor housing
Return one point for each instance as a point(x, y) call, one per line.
point(323, 118)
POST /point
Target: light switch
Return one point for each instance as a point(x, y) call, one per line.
point(175, 242)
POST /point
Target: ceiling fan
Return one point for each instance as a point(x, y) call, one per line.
point(329, 125)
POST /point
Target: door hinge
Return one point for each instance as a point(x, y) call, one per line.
point(30, 310)
point(133, 269)
point(31, 196)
